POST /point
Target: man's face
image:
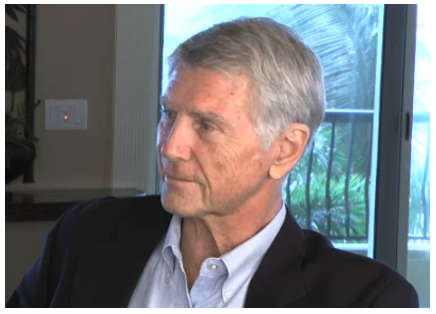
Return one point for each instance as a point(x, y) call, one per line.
point(209, 155)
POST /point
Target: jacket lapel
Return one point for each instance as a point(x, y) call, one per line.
point(108, 272)
point(278, 280)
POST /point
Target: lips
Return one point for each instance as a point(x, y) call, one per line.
point(176, 178)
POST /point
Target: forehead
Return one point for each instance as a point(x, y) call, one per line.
point(207, 88)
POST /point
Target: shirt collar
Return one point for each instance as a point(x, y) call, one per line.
point(241, 262)
point(171, 246)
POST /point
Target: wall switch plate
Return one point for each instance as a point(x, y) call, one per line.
point(66, 114)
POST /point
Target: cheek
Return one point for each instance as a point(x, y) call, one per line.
point(231, 155)
point(213, 165)
point(224, 164)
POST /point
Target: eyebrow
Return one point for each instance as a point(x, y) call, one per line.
point(208, 116)
point(212, 116)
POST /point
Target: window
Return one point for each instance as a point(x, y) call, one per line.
point(418, 268)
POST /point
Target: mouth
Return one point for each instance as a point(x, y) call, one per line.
point(170, 178)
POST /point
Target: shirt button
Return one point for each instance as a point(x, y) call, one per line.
point(167, 277)
point(228, 295)
point(213, 267)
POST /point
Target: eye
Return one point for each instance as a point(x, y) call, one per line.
point(207, 126)
point(167, 114)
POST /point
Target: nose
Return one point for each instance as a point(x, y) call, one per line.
point(174, 142)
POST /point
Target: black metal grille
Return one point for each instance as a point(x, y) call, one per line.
point(344, 227)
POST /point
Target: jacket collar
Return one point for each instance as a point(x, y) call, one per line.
point(109, 271)
point(278, 280)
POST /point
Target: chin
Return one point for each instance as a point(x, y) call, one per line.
point(181, 206)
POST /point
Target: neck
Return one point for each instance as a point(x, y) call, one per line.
point(213, 236)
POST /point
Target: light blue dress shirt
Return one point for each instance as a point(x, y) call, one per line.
point(222, 282)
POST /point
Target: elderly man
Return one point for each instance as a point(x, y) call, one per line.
point(244, 98)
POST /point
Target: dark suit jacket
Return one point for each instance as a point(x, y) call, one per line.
point(96, 252)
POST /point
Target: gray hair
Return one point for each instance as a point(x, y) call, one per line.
point(286, 75)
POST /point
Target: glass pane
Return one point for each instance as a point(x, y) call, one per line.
point(418, 263)
point(329, 190)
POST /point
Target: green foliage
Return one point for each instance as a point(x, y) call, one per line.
point(345, 39)
point(336, 212)
point(298, 198)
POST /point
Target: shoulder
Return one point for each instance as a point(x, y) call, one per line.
point(84, 227)
point(114, 205)
point(363, 280)
point(97, 219)
point(114, 208)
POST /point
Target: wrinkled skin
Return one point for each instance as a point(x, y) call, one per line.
point(210, 158)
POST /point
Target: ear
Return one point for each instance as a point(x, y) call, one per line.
point(290, 147)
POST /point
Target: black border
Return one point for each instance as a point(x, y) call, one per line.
point(30, 82)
